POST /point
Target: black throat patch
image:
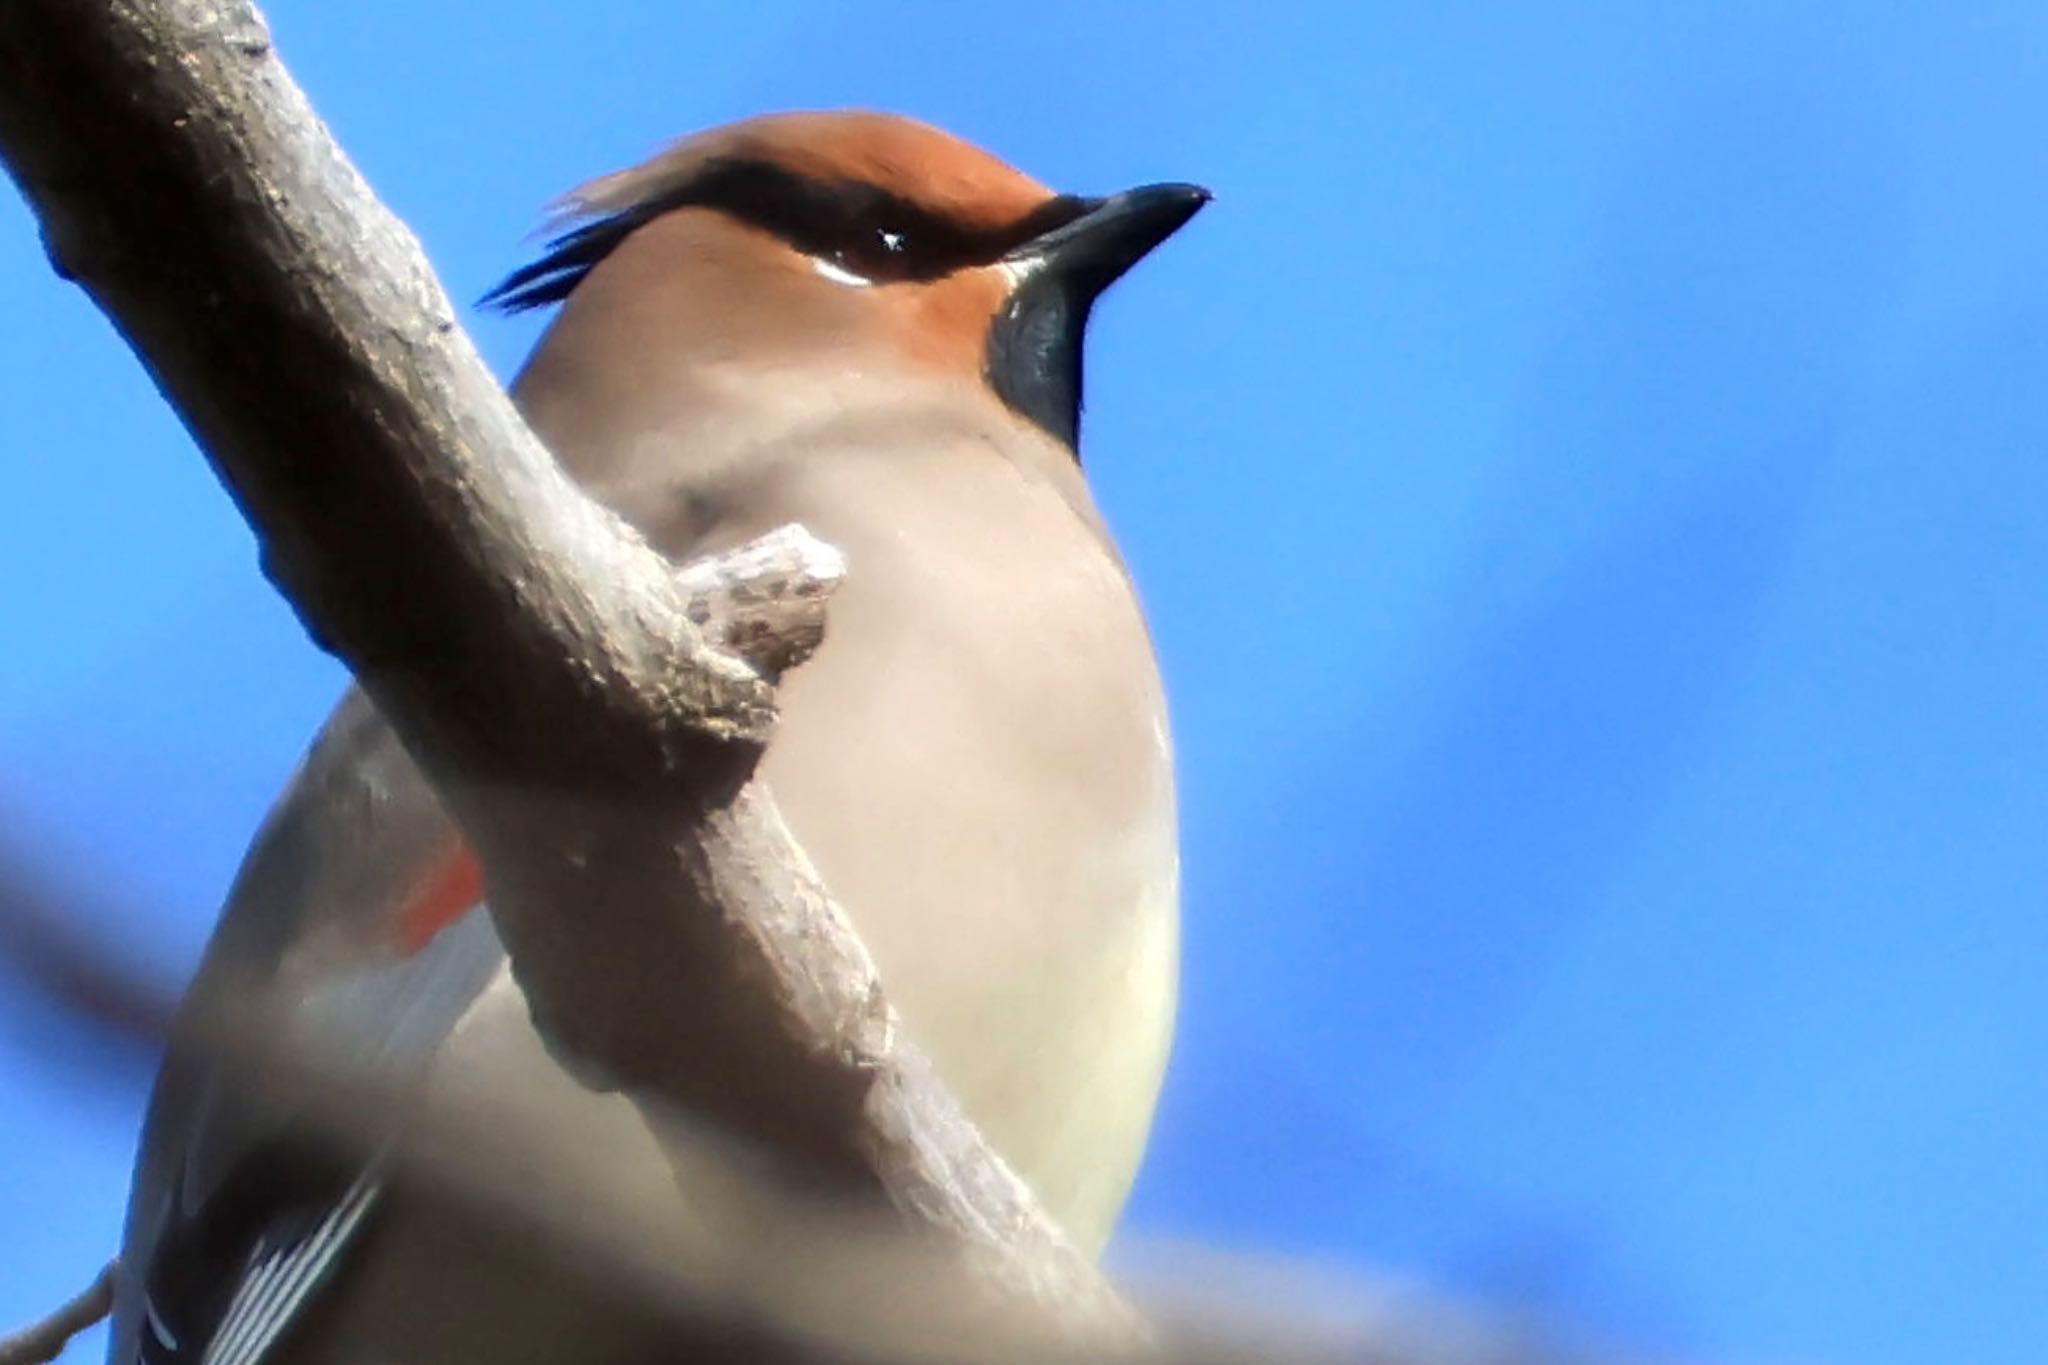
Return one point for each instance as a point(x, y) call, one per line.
point(1034, 354)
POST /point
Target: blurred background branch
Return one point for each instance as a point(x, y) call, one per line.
point(47, 938)
point(799, 1277)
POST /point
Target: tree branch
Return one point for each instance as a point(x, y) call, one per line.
point(590, 714)
point(45, 1341)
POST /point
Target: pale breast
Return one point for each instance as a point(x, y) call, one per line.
point(977, 760)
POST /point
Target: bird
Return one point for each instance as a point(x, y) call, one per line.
point(859, 323)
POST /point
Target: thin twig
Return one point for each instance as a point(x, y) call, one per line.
point(45, 1341)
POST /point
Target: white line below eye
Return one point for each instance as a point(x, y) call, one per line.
point(839, 274)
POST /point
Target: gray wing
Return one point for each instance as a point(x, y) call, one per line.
point(244, 1199)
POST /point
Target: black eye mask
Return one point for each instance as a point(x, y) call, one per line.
point(859, 227)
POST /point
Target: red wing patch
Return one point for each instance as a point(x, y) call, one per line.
point(449, 891)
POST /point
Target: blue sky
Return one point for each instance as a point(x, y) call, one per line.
point(1587, 474)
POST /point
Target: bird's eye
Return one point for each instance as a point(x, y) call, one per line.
point(877, 253)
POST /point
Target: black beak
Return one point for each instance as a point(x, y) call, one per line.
point(1091, 252)
point(1034, 345)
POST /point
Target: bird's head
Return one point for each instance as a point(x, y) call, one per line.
point(861, 241)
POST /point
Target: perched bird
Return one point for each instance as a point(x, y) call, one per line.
point(855, 322)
